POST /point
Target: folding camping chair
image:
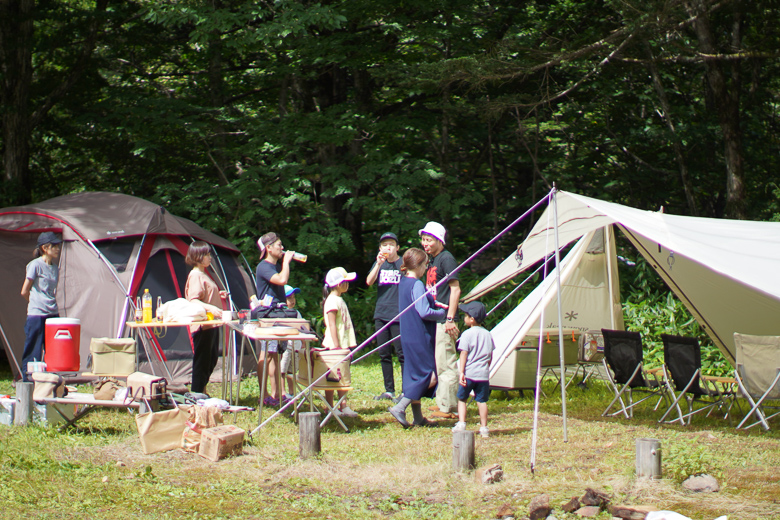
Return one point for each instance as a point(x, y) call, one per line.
point(682, 373)
point(623, 355)
point(758, 375)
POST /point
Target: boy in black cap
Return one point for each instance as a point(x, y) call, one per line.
point(476, 352)
point(387, 270)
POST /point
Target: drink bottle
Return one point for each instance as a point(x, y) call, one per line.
point(300, 257)
point(146, 304)
point(139, 316)
point(159, 309)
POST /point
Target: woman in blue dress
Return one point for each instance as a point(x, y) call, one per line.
point(418, 335)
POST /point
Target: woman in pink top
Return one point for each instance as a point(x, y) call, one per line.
point(205, 338)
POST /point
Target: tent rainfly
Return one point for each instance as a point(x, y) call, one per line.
point(114, 247)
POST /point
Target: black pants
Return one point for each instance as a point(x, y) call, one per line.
point(204, 360)
point(386, 352)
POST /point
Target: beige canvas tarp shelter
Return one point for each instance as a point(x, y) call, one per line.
point(724, 271)
point(115, 246)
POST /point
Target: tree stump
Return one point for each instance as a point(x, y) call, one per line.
point(648, 458)
point(309, 434)
point(24, 404)
point(463, 450)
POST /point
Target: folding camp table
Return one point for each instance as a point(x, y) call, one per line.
point(263, 332)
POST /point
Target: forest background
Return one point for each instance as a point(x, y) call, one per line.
point(332, 122)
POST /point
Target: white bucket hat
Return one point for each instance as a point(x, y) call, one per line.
point(337, 275)
point(434, 229)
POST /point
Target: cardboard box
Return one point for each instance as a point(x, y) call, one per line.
point(219, 442)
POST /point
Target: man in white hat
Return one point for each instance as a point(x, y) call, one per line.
point(442, 263)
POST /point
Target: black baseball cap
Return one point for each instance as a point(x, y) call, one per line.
point(388, 235)
point(474, 309)
point(47, 237)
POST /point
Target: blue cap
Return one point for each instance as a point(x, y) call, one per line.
point(387, 236)
point(474, 309)
point(290, 290)
point(47, 237)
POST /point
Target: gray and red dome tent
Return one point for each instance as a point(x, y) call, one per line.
point(115, 246)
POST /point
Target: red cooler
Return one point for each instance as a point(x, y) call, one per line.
point(63, 336)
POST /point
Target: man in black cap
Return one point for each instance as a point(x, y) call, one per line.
point(387, 270)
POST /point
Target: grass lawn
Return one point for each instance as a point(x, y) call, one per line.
point(97, 469)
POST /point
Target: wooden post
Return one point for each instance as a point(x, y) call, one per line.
point(648, 458)
point(309, 434)
point(463, 450)
point(24, 404)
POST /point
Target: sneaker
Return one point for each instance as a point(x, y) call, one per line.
point(270, 401)
point(484, 432)
point(385, 395)
point(460, 426)
point(347, 412)
point(399, 416)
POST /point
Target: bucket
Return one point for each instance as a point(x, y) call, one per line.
point(63, 336)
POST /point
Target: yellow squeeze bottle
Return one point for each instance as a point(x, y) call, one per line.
point(146, 303)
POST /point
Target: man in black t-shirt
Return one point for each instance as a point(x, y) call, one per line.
point(270, 279)
point(387, 271)
point(441, 264)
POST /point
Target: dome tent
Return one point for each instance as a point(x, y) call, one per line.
point(114, 246)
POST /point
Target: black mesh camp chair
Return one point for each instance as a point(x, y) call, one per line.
point(682, 373)
point(623, 356)
point(758, 375)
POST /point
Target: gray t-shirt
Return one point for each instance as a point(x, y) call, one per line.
point(43, 293)
point(478, 342)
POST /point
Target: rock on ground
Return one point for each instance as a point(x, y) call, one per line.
point(701, 484)
point(631, 512)
point(539, 507)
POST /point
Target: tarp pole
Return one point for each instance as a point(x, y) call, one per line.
point(610, 242)
point(540, 353)
point(560, 315)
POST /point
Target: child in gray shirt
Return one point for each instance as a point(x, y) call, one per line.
point(476, 352)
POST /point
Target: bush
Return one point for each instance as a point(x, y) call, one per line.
point(653, 310)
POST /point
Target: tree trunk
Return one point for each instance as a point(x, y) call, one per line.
point(726, 95)
point(676, 144)
point(16, 32)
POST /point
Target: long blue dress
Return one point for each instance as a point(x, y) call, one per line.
point(418, 338)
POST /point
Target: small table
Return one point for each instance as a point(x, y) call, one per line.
point(259, 334)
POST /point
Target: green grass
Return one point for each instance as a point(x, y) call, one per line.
point(97, 470)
